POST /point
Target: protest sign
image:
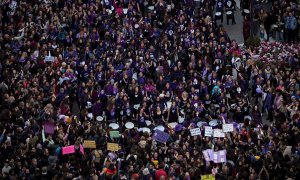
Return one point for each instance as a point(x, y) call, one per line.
point(68, 150)
point(81, 149)
point(216, 157)
point(195, 131)
point(112, 147)
point(227, 128)
point(208, 154)
point(90, 144)
point(218, 133)
point(49, 128)
point(49, 58)
point(161, 136)
point(219, 156)
point(208, 177)
point(208, 131)
point(114, 134)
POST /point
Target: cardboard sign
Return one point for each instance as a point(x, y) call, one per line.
point(227, 128)
point(208, 131)
point(219, 133)
point(49, 128)
point(89, 144)
point(68, 150)
point(81, 149)
point(112, 147)
point(195, 131)
point(161, 136)
point(208, 177)
point(114, 134)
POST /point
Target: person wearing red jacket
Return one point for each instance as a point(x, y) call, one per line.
point(161, 174)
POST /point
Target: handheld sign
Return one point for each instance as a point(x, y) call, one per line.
point(219, 156)
point(208, 154)
point(89, 144)
point(68, 150)
point(227, 128)
point(114, 134)
point(208, 177)
point(49, 128)
point(81, 149)
point(218, 133)
point(208, 131)
point(112, 147)
point(195, 131)
point(49, 58)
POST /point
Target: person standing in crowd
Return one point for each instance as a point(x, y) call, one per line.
point(262, 18)
point(291, 27)
point(279, 29)
point(220, 8)
point(246, 28)
point(267, 24)
point(230, 10)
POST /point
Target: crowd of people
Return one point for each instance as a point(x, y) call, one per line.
point(88, 67)
point(278, 19)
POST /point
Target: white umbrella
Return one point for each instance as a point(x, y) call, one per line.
point(148, 123)
point(129, 125)
point(213, 123)
point(99, 118)
point(181, 119)
point(173, 124)
point(114, 125)
point(145, 129)
point(161, 128)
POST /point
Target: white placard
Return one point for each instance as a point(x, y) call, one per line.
point(227, 128)
point(195, 132)
point(208, 131)
point(49, 58)
point(219, 133)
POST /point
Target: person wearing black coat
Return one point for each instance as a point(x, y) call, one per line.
point(268, 23)
point(230, 6)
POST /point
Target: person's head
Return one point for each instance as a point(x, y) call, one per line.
point(261, 11)
point(162, 178)
point(34, 162)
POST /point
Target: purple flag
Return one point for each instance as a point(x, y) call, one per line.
point(49, 128)
point(161, 136)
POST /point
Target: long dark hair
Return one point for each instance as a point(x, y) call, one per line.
point(253, 109)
